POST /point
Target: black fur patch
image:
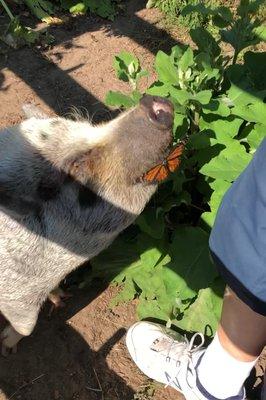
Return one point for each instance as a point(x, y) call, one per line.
point(5, 198)
point(87, 198)
point(47, 189)
point(18, 203)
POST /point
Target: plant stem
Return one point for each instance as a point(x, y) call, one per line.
point(9, 13)
point(235, 57)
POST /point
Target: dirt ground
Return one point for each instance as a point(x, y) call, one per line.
point(79, 353)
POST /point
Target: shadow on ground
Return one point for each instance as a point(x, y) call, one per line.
point(56, 362)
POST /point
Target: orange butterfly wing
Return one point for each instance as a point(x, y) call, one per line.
point(161, 171)
point(156, 174)
point(173, 160)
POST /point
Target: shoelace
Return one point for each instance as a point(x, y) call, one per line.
point(185, 351)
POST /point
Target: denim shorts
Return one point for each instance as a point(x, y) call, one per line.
point(238, 238)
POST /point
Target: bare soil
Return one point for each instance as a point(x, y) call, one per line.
point(79, 353)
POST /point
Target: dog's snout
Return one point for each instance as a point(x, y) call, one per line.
point(159, 110)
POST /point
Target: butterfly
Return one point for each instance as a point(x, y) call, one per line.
point(161, 171)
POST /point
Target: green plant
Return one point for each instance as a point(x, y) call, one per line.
point(15, 34)
point(240, 31)
point(45, 9)
point(219, 104)
point(104, 8)
point(173, 9)
point(127, 69)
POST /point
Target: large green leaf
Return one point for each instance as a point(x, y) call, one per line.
point(187, 60)
point(191, 262)
point(255, 137)
point(159, 89)
point(114, 262)
point(205, 41)
point(181, 95)
point(252, 113)
point(204, 314)
point(160, 298)
point(118, 99)
point(217, 106)
point(229, 164)
point(219, 189)
point(224, 129)
point(241, 97)
point(203, 96)
point(167, 72)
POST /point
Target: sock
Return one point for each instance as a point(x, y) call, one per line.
point(221, 374)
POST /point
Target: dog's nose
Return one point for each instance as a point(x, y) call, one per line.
point(159, 110)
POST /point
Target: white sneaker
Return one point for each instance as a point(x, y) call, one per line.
point(168, 358)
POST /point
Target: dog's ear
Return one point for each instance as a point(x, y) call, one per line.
point(32, 111)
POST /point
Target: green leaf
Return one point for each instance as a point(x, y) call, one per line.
point(79, 8)
point(241, 97)
point(126, 65)
point(252, 113)
point(167, 72)
point(241, 35)
point(255, 137)
point(104, 8)
point(222, 17)
point(199, 140)
point(205, 42)
point(151, 309)
point(219, 189)
point(141, 74)
point(260, 32)
point(199, 8)
point(224, 129)
point(203, 97)
point(151, 223)
point(216, 106)
point(229, 164)
point(187, 60)
point(181, 95)
point(40, 8)
point(118, 99)
point(255, 67)
point(159, 89)
point(176, 53)
point(205, 154)
point(178, 121)
point(204, 314)
point(191, 262)
point(127, 293)
point(248, 7)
